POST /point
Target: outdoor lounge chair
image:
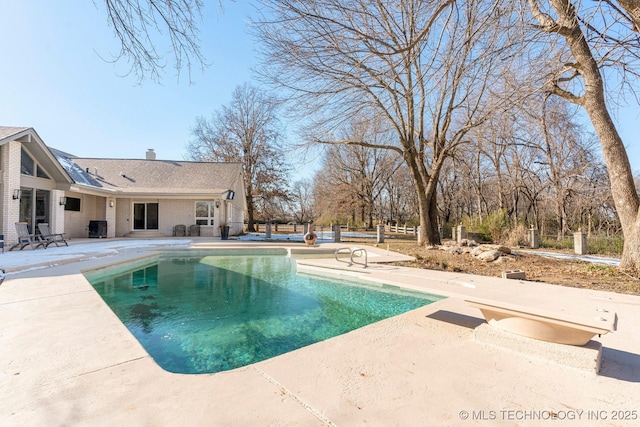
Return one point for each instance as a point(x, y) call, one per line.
point(24, 238)
point(48, 238)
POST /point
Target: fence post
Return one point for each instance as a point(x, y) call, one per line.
point(461, 233)
point(380, 234)
point(580, 243)
point(534, 238)
point(267, 230)
point(336, 233)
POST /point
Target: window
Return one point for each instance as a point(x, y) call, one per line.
point(27, 165)
point(204, 213)
point(26, 207)
point(40, 173)
point(34, 207)
point(145, 216)
point(73, 204)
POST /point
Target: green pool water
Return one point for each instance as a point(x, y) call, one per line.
point(209, 314)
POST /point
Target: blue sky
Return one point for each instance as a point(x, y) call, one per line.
point(53, 79)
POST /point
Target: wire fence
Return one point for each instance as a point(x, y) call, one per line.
point(600, 245)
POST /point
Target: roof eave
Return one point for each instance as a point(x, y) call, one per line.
point(163, 195)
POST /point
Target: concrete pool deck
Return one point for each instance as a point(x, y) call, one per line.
point(68, 360)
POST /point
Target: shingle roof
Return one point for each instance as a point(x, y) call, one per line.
point(8, 131)
point(137, 176)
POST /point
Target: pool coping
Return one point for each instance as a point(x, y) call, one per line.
point(382, 374)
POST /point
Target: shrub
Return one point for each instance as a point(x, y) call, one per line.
point(518, 236)
point(492, 227)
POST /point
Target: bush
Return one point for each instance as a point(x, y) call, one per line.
point(605, 245)
point(518, 236)
point(493, 227)
point(552, 242)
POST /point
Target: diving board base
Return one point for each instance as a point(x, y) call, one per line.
point(586, 357)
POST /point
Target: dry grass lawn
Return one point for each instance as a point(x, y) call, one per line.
point(579, 274)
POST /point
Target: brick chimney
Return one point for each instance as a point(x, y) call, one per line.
point(151, 155)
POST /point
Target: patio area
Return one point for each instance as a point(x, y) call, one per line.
point(68, 360)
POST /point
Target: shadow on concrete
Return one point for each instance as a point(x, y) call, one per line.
point(620, 365)
point(456, 319)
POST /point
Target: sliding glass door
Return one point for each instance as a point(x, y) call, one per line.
point(145, 216)
point(34, 207)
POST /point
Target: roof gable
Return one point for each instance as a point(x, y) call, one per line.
point(129, 176)
point(30, 140)
point(8, 133)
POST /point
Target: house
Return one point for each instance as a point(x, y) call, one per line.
point(117, 197)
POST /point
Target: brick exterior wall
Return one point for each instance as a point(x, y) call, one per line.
point(119, 219)
point(56, 221)
point(174, 212)
point(10, 182)
point(76, 224)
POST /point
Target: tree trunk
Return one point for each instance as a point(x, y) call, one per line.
point(250, 213)
point(633, 9)
point(426, 186)
point(623, 190)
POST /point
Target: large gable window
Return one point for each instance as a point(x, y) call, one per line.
point(27, 165)
point(204, 213)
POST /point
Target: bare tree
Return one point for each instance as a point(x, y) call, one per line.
point(450, 187)
point(146, 27)
point(399, 202)
point(422, 65)
point(566, 155)
point(334, 200)
point(486, 160)
point(631, 12)
point(301, 201)
point(246, 131)
point(597, 35)
point(362, 170)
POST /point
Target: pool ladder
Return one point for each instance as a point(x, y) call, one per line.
point(352, 252)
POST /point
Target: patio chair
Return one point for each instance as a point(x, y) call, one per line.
point(25, 239)
point(180, 230)
point(50, 238)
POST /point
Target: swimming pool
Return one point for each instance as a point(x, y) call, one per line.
point(212, 313)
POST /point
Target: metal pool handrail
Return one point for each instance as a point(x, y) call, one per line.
point(352, 252)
